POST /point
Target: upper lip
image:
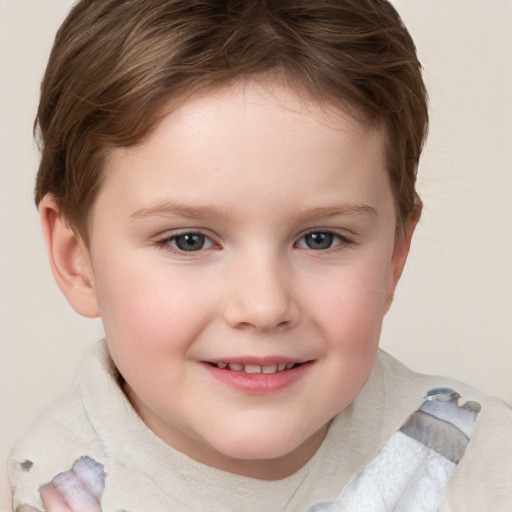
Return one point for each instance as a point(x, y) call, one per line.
point(257, 361)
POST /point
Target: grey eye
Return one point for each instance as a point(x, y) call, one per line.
point(319, 240)
point(189, 242)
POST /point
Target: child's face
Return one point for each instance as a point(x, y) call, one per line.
point(248, 229)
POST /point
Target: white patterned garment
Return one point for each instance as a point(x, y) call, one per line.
point(413, 467)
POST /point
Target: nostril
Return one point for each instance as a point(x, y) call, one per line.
point(262, 326)
point(247, 326)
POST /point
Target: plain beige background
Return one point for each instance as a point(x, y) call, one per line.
point(453, 310)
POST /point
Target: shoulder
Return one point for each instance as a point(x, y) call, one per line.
point(51, 443)
point(483, 478)
point(484, 475)
point(398, 378)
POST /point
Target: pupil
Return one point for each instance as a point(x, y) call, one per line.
point(192, 242)
point(319, 241)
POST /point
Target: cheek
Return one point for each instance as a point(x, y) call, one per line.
point(351, 321)
point(151, 307)
point(351, 303)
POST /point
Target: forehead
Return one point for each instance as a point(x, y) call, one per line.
point(253, 107)
point(264, 99)
point(227, 144)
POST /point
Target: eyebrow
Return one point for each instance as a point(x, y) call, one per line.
point(344, 209)
point(173, 209)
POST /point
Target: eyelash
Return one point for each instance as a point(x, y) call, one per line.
point(342, 241)
point(166, 242)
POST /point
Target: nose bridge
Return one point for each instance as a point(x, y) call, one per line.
point(261, 292)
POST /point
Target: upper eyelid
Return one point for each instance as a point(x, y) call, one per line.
point(344, 242)
point(173, 233)
point(165, 239)
point(342, 233)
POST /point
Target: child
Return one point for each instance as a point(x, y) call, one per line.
point(230, 187)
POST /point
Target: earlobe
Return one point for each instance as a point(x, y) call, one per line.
point(69, 259)
point(400, 253)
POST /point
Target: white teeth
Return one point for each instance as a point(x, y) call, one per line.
point(254, 368)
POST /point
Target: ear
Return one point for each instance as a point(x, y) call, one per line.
point(400, 253)
point(69, 259)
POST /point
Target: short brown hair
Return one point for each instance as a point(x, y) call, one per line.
point(115, 63)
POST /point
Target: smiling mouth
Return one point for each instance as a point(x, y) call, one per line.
point(254, 368)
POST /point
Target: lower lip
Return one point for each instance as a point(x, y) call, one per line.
point(259, 383)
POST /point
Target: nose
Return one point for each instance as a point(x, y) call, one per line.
point(261, 296)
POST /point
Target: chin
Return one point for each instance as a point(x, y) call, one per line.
point(261, 443)
point(260, 451)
